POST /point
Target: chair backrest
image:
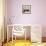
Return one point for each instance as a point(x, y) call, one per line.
point(18, 30)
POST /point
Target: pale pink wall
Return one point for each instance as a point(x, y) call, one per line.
point(37, 16)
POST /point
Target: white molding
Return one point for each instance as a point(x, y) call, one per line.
point(25, 24)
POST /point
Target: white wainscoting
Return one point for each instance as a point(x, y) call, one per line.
point(35, 31)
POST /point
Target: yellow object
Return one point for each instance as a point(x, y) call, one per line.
point(23, 43)
point(18, 43)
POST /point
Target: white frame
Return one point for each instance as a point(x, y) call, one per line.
point(24, 7)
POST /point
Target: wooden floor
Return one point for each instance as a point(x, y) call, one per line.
point(23, 43)
point(43, 39)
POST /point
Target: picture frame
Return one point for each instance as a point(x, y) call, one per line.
point(26, 9)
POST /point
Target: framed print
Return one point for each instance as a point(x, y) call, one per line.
point(26, 9)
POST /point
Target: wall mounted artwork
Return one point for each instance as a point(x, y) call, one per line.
point(26, 9)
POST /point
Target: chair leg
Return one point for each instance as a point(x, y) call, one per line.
point(25, 36)
point(15, 38)
point(12, 36)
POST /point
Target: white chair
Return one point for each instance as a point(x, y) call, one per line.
point(17, 31)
